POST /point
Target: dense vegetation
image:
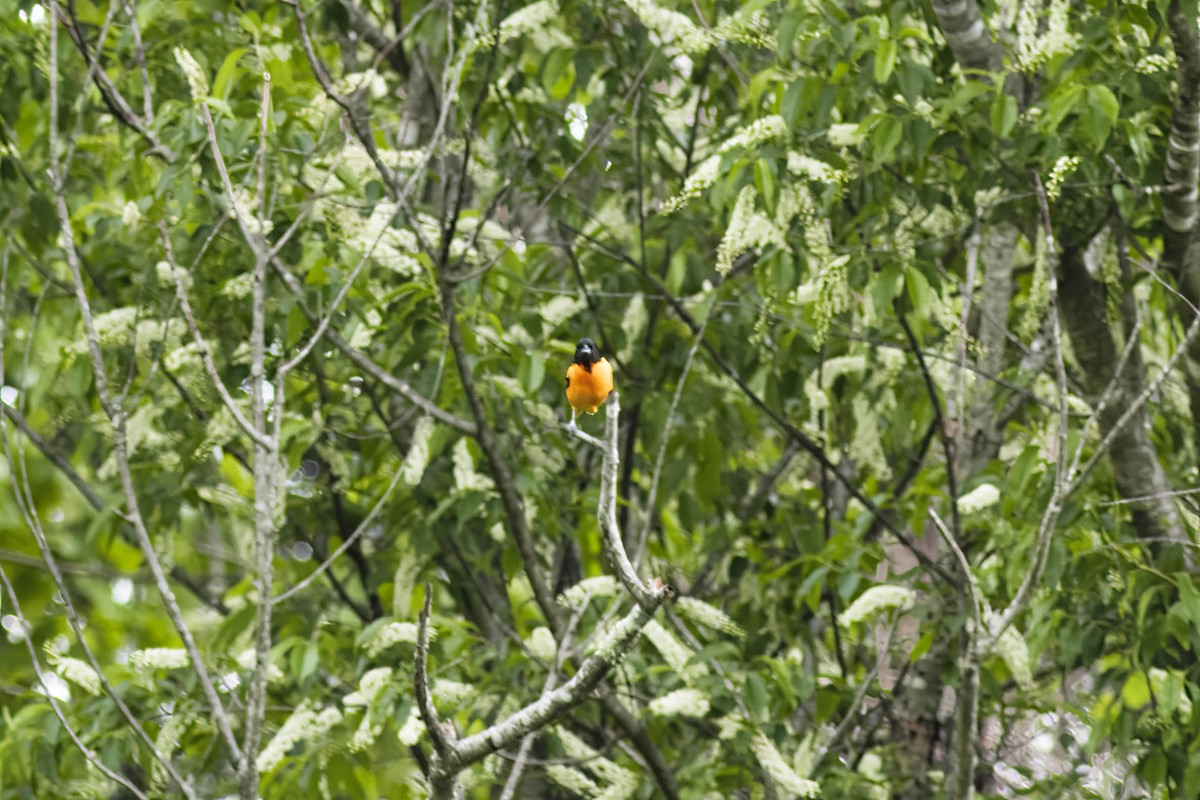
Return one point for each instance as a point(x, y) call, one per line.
point(897, 498)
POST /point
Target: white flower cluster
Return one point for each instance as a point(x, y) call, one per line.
point(410, 732)
point(1035, 47)
point(757, 132)
point(304, 725)
point(1011, 647)
point(748, 228)
point(620, 782)
point(465, 476)
point(983, 496)
point(673, 651)
point(589, 588)
point(668, 27)
point(248, 658)
point(541, 643)
point(392, 634)
point(572, 780)
point(529, 19)
point(833, 286)
point(197, 82)
point(131, 214)
point(158, 658)
point(1061, 170)
point(867, 446)
point(702, 177)
point(113, 327)
point(681, 703)
point(1154, 63)
point(377, 236)
point(78, 672)
point(418, 452)
point(166, 275)
point(709, 616)
point(451, 693)
point(876, 599)
point(558, 310)
point(784, 776)
point(755, 30)
point(239, 287)
point(369, 686)
point(838, 366)
point(845, 134)
point(167, 742)
point(245, 205)
point(811, 168)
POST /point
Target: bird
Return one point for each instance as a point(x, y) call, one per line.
point(589, 379)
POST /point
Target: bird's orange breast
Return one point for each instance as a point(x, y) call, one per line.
point(587, 390)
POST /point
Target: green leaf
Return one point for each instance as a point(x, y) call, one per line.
point(225, 74)
point(921, 647)
point(1104, 99)
point(1004, 114)
point(755, 694)
point(887, 134)
point(917, 287)
point(1154, 766)
point(764, 180)
point(885, 60)
point(789, 25)
point(1136, 691)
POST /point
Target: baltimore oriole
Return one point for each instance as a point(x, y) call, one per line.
point(589, 379)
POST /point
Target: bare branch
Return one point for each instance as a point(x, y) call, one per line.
point(185, 305)
point(117, 418)
point(442, 742)
point(941, 425)
point(112, 96)
point(967, 710)
point(266, 450)
point(606, 513)
point(547, 708)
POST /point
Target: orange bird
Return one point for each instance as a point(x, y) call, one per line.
point(589, 379)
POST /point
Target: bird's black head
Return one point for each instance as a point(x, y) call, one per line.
point(586, 353)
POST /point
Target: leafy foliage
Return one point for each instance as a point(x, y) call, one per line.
point(834, 265)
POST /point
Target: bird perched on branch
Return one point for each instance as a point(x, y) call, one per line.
point(589, 379)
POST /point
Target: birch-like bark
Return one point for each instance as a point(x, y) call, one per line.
point(1181, 169)
point(962, 24)
point(1134, 461)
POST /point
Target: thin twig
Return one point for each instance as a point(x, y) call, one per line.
point(117, 419)
point(177, 274)
point(346, 544)
point(660, 459)
point(441, 741)
point(1054, 507)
